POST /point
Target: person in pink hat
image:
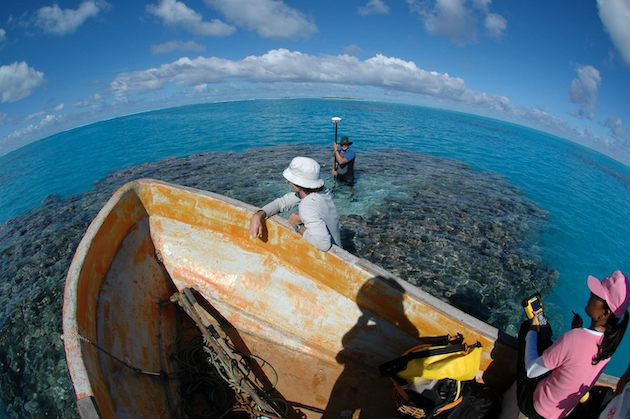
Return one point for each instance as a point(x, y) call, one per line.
point(556, 380)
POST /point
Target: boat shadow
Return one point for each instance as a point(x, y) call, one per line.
point(360, 391)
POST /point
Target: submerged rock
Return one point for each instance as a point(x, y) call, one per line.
point(466, 237)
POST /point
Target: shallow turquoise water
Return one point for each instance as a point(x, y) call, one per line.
point(586, 194)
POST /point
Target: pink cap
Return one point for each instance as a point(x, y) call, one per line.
point(615, 290)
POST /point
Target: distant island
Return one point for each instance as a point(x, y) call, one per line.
point(341, 98)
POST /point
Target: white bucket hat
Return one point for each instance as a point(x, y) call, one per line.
point(304, 172)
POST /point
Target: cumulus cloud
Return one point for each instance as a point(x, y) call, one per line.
point(449, 18)
point(3, 35)
point(584, 91)
point(34, 116)
point(374, 7)
point(615, 15)
point(616, 126)
point(93, 100)
point(56, 21)
point(353, 49)
point(495, 25)
point(458, 20)
point(483, 5)
point(282, 65)
point(171, 46)
point(269, 18)
point(17, 81)
point(32, 128)
point(615, 146)
point(176, 13)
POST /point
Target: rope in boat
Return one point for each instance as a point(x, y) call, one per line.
point(212, 378)
point(201, 376)
point(250, 397)
point(126, 364)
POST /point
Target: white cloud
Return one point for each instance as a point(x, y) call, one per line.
point(17, 80)
point(495, 25)
point(449, 18)
point(458, 20)
point(353, 49)
point(616, 126)
point(584, 91)
point(93, 100)
point(58, 107)
point(56, 21)
point(3, 35)
point(3, 118)
point(615, 15)
point(171, 46)
point(176, 13)
point(201, 87)
point(283, 72)
point(269, 18)
point(374, 7)
point(616, 147)
point(483, 5)
point(34, 116)
point(282, 65)
point(32, 128)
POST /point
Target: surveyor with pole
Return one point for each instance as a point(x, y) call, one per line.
point(335, 120)
point(344, 157)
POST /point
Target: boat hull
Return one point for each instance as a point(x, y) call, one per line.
point(323, 320)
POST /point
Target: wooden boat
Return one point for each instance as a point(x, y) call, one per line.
point(321, 321)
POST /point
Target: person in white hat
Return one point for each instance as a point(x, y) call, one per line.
point(317, 220)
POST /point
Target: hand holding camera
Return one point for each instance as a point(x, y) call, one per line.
point(534, 310)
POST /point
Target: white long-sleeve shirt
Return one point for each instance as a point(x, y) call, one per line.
point(534, 364)
point(318, 213)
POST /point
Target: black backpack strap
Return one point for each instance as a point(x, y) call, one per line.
point(440, 340)
point(391, 368)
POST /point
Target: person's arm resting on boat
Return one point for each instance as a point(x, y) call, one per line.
point(284, 203)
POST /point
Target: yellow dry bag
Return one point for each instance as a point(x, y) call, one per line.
point(427, 378)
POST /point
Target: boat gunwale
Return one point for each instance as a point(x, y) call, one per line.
point(72, 340)
point(412, 290)
point(71, 336)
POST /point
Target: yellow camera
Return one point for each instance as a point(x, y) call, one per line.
point(533, 305)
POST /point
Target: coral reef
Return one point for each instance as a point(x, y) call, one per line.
point(466, 237)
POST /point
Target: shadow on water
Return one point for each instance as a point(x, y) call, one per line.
point(360, 391)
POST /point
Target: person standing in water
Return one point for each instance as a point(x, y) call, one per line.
point(317, 220)
point(343, 169)
point(551, 385)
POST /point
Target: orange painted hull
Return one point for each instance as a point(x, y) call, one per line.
point(323, 320)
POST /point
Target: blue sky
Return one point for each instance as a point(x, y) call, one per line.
point(559, 66)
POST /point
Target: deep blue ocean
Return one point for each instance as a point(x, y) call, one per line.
point(586, 194)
